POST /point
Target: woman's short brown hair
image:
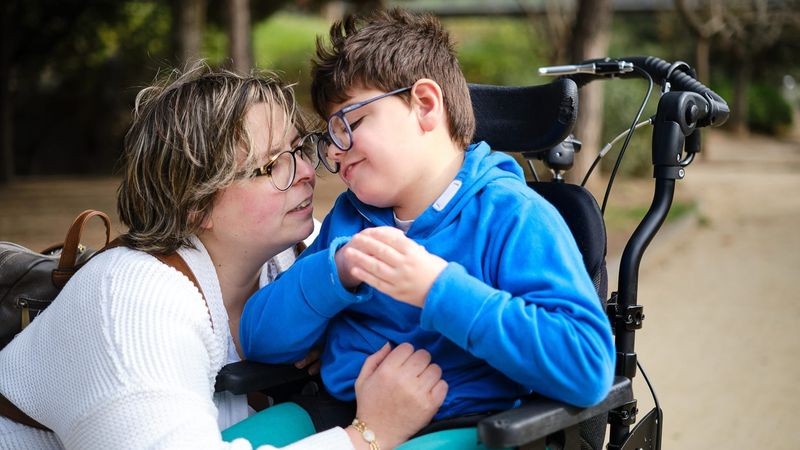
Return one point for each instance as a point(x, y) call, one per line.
point(188, 141)
point(390, 50)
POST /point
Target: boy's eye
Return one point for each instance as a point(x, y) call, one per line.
point(354, 125)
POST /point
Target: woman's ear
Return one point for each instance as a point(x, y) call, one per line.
point(428, 104)
point(206, 222)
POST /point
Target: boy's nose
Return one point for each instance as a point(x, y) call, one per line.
point(335, 153)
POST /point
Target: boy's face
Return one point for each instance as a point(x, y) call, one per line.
point(385, 163)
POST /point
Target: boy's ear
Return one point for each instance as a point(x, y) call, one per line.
point(428, 103)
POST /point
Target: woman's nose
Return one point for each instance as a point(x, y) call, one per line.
point(304, 171)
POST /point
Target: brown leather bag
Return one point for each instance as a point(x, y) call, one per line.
point(30, 281)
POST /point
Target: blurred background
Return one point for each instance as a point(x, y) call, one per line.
point(721, 339)
point(70, 69)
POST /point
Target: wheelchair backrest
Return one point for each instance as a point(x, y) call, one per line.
point(532, 119)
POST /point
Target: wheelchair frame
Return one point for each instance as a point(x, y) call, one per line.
point(512, 119)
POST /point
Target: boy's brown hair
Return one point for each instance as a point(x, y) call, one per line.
point(390, 50)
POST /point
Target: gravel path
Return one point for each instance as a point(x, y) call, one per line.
point(720, 340)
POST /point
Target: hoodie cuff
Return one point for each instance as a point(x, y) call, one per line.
point(453, 304)
point(326, 295)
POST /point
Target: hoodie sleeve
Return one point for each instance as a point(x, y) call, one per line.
point(285, 318)
point(542, 325)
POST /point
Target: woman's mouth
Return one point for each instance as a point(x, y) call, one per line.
point(303, 205)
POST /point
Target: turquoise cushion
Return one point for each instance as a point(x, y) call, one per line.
point(277, 425)
point(457, 439)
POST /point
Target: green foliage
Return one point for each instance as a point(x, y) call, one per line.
point(621, 217)
point(77, 69)
point(497, 51)
point(622, 100)
point(285, 43)
point(767, 111)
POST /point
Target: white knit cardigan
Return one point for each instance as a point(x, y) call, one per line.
point(126, 358)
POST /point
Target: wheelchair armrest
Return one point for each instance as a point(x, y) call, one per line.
point(248, 376)
point(542, 417)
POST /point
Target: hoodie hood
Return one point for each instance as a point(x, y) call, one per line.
point(481, 166)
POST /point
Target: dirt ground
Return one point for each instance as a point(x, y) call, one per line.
point(720, 340)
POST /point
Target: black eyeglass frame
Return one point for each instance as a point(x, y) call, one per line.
point(329, 137)
point(266, 169)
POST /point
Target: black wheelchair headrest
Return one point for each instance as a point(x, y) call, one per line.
point(527, 118)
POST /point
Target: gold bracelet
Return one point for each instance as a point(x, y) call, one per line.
point(366, 433)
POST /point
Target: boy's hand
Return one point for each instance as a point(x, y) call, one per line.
point(311, 362)
point(344, 266)
point(387, 260)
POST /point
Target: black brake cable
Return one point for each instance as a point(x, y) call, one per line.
point(628, 137)
point(608, 146)
point(659, 412)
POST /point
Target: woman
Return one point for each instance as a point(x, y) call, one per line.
point(216, 169)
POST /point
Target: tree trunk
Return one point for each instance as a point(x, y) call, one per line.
point(6, 118)
point(590, 38)
point(703, 69)
point(6, 126)
point(702, 63)
point(240, 49)
point(188, 22)
point(738, 119)
point(362, 7)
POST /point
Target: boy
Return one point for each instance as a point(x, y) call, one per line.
point(432, 244)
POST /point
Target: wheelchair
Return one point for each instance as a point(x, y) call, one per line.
point(537, 121)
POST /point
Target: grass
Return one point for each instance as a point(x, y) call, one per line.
point(628, 216)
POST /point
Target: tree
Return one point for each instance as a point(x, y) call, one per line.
point(704, 23)
point(239, 28)
point(237, 17)
point(7, 10)
point(188, 23)
point(42, 44)
point(590, 39)
point(745, 29)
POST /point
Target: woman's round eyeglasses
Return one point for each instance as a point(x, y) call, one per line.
point(282, 169)
point(340, 133)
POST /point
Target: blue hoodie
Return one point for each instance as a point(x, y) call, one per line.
point(513, 312)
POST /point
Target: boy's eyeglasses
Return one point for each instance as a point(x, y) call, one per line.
point(282, 169)
point(340, 133)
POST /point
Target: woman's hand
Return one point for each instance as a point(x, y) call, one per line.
point(311, 361)
point(398, 392)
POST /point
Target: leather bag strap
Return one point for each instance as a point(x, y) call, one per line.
point(10, 411)
point(69, 253)
point(177, 262)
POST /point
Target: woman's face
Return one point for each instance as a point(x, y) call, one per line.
point(251, 215)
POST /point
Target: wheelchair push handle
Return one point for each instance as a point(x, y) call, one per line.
point(674, 75)
point(671, 76)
